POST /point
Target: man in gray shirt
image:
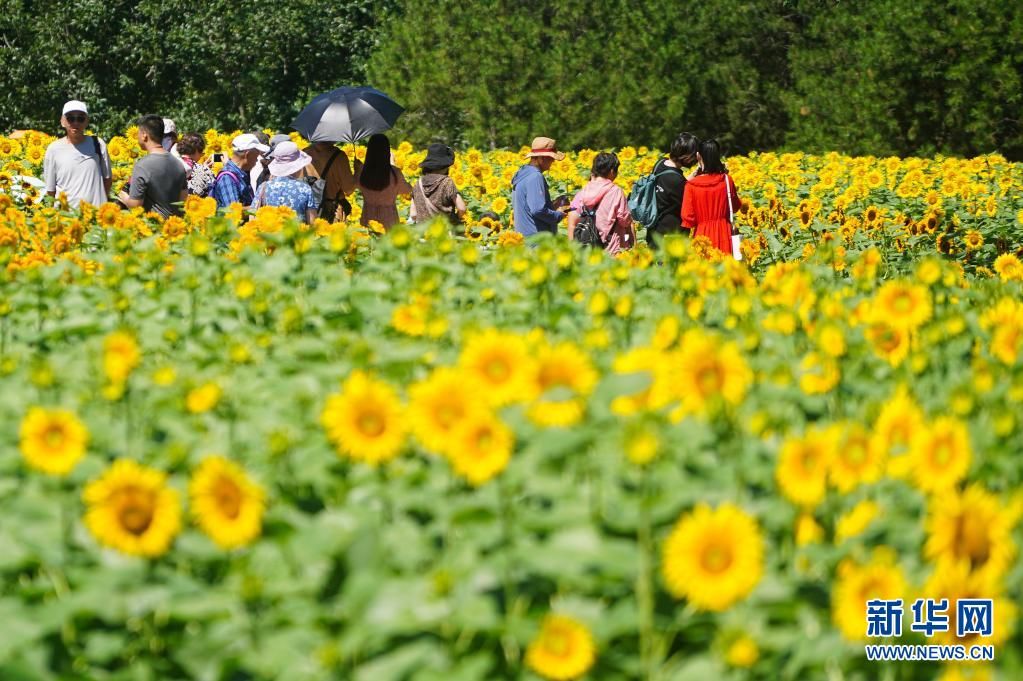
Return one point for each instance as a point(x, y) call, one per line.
point(77, 165)
point(158, 180)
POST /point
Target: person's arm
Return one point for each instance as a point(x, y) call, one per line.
point(460, 206)
point(344, 171)
point(404, 188)
point(135, 196)
point(573, 220)
point(688, 209)
point(737, 205)
point(49, 172)
point(108, 175)
point(310, 215)
point(536, 203)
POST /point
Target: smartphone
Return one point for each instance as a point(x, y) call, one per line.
point(218, 158)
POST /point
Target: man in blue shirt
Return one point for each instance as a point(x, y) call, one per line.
point(232, 183)
point(531, 198)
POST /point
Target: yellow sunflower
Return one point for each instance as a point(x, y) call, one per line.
point(203, 398)
point(857, 583)
point(563, 649)
point(940, 454)
point(365, 421)
point(131, 509)
point(896, 425)
point(855, 461)
point(713, 557)
point(52, 440)
point(902, 304)
point(708, 373)
point(973, 527)
point(856, 521)
point(1008, 267)
point(803, 466)
point(226, 504)
point(954, 581)
point(500, 362)
point(121, 355)
point(480, 447)
point(890, 343)
point(439, 403)
point(564, 379)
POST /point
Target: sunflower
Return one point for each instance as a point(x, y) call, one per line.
point(500, 362)
point(897, 424)
point(438, 404)
point(203, 398)
point(708, 373)
point(1008, 267)
point(902, 304)
point(713, 557)
point(855, 461)
point(819, 374)
point(973, 240)
point(803, 465)
point(52, 440)
point(480, 447)
point(856, 520)
point(973, 527)
point(940, 454)
point(856, 584)
point(130, 508)
point(889, 342)
point(225, 503)
point(121, 355)
point(562, 650)
point(564, 379)
point(365, 421)
point(742, 652)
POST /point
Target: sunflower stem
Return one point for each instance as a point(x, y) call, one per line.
point(644, 581)
point(508, 643)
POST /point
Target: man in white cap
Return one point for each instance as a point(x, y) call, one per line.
point(531, 198)
point(77, 165)
point(232, 184)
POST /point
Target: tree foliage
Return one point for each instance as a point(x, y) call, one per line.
point(210, 64)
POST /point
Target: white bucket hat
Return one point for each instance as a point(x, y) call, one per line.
point(288, 159)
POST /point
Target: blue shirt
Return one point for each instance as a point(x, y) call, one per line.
point(531, 202)
point(232, 186)
point(287, 191)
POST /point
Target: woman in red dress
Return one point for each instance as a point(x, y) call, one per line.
point(705, 204)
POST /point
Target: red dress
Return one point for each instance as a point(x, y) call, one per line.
point(705, 207)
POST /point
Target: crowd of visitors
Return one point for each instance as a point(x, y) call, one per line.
point(689, 191)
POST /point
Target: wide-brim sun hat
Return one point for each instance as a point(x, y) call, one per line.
point(438, 157)
point(544, 146)
point(288, 159)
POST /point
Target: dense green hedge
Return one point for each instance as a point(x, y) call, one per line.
point(876, 76)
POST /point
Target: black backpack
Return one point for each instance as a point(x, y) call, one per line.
point(586, 231)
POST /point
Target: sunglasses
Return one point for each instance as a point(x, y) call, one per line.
point(76, 118)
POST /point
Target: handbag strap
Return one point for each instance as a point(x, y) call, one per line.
point(422, 192)
point(728, 198)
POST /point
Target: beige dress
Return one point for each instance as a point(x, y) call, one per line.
point(380, 205)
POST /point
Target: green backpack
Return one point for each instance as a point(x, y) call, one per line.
point(643, 199)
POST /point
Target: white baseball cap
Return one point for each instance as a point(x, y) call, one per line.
point(168, 127)
point(74, 105)
point(247, 141)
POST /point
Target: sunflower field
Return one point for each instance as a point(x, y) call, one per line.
point(248, 450)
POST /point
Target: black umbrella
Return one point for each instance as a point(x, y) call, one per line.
point(347, 114)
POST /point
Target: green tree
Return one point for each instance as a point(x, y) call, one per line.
point(497, 72)
point(900, 77)
point(217, 63)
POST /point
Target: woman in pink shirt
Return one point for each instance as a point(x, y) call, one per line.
point(614, 221)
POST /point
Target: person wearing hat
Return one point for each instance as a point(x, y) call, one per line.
point(77, 165)
point(158, 180)
point(286, 186)
point(531, 197)
point(170, 137)
point(232, 184)
point(434, 192)
point(260, 172)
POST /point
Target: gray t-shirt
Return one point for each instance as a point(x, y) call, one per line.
point(158, 180)
point(75, 170)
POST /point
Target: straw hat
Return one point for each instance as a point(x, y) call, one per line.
point(288, 159)
point(544, 146)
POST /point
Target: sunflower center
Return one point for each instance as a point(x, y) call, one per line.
point(971, 539)
point(54, 436)
point(717, 557)
point(710, 378)
point(135, 510)
point(558, 643)
point(370, 424)
point(229, 497)
point(497, 371)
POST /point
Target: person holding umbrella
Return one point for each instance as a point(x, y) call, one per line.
point(333, 166)
point(381, 183)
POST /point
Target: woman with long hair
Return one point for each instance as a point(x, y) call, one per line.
point(381, 183)
point(711, 199)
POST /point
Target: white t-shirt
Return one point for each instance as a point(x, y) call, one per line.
point(75, 170)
